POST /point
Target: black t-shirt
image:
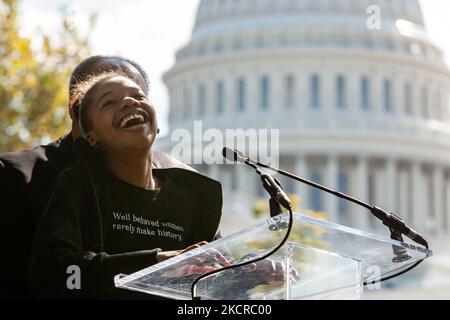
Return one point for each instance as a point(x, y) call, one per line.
point(146, 219)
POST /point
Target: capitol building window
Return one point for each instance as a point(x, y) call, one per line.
point(387, 95)
point(187, 102)
point(315, 95)
point(341, 92)
point(343, 186)
point(264, 92)
point(289, 96)
point(365, 93)
point(408, 106)
point(424, 102)
point(201, 100)
point(241, 95)
point(430, 104)
point(220, 97)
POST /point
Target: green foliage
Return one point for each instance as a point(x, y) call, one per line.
point(305, 234)
point(34, 77)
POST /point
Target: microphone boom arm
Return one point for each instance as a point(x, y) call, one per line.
point(396, 225)
point(392, 221)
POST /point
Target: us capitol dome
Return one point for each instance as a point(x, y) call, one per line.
point(361, 109)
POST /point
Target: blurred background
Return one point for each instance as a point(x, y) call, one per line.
point(362, 105)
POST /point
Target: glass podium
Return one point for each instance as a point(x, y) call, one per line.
point(320, 260)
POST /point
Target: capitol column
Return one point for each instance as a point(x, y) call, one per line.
point(195, 99)
point(243, 181)
point(430, 97)
point(419, 214)
point(301, 189)
point(277, 98)
point(377, 90)
point(210, 105)
point(361, 191)
point(403, 196)
point(438, 197)
point(328, 93)
point(173, 103)
point(331, 176)
point(230, 95)
point(171, 94)
point(391, 186)
point(252, 83)
point(353, 92)
point(398, 95)
point(302, 90)
point(415, 99)
point(179, 106)
point(445, 97)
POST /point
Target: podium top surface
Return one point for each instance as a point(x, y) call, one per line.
point(384, 256)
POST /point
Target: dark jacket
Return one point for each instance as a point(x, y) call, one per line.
point(70, 232)
point(26, 179)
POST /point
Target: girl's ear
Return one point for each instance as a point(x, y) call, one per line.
point(92, 141)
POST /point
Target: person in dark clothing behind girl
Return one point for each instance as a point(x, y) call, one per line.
point(112, 213)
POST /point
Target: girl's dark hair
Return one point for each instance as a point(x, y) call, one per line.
point(83, 72)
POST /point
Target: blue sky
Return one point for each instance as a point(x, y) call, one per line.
point(150, 31)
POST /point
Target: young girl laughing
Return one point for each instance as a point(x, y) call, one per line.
point(112, 212)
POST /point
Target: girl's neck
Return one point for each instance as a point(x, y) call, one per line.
point(135, 169)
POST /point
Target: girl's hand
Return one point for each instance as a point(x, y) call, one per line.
point(164, 255)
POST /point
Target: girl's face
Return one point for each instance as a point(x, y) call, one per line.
point(121, 117)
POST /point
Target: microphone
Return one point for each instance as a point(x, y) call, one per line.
point(271, 184)
point(277, 194)
point(273, 187)
point(391, 220)
point(234, 155)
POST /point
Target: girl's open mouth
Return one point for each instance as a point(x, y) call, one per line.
point(137, 117)
point(132, 120)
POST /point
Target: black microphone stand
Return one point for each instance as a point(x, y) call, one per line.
point(277, 199)
point(396, 225)
point(391, 220)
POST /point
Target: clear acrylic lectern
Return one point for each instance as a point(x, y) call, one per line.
point(321, 260)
